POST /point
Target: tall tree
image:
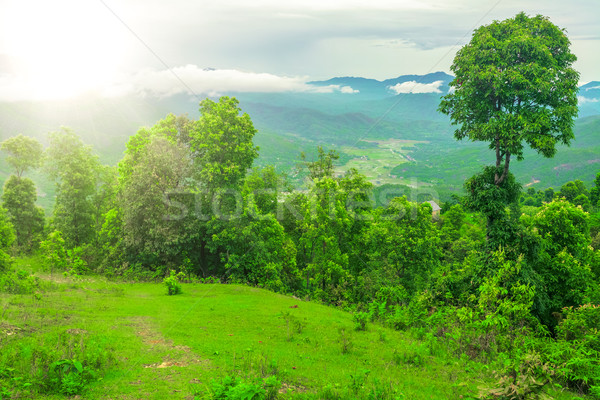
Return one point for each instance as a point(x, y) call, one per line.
point(18, 198)
point(74, 168)
point(153, 224)
point(24, 153)
point(19, 194)
point(514, 85)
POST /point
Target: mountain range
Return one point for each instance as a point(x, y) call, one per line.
point(390, 130)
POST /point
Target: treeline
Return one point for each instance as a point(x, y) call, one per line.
point(505, 281)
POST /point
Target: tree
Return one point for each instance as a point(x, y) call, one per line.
point(514, 85)
point(595, 192)
point(323, 166)
point(18, 198)
point(154, 221)
point(572, 189)
point(221, 142)
point(74, 168)
point(24, 153)
point(564, 260)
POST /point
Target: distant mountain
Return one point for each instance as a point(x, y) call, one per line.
point(374, 88)
point(589, 99)
point(390, 130)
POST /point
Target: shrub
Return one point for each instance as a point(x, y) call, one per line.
point(29, 365)
point(18, 282)
point(172, 284)
point(234, 388)
point(360, 321)
point(524, 378)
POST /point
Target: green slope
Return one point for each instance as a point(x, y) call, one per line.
point(168, 346)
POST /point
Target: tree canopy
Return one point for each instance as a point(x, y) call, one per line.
point(24, 153)
point(514, 85)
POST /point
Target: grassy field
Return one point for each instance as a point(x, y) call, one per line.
point(377, 162)
point(154, 346)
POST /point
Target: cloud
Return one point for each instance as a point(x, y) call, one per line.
point(193, 80)
point(592, 88)
point(189, 79)
point(348, 89)
point(583, 100)
point(415, 87)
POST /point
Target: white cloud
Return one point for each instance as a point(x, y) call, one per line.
point(348, 89)
point(592, 88)
point(415, 87)
point(193, 80)
point(189, 79)
point(583, 100)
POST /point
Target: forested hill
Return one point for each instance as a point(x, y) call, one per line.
point(389, 130)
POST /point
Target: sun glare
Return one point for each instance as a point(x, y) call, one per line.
point(60, 49)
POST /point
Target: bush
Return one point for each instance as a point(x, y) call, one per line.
point(29, 365)
point(172, 283)
point(18, 282)
point(360, 321)
point(576, 352)
point(234, 388)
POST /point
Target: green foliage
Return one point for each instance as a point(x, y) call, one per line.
point(256, 251)
point(414, 357)
point(172, 284)
point(24, 153)
point(514, 85)
point(400, 247)
point(74, 169)
point(573, 189)
point(18, 198)
point(18, 282)
point(522, 379)
point(155, 203)
point(222, 143)
point(7, 238)
point(595, 192)
point(234, 388)
point(53, 252)
point(322, 167)
point(360, 321)
point(73, 361)
point(345, 340)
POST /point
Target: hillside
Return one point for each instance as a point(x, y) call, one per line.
point(149, 345)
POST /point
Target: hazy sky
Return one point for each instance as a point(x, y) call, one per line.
point(62, 47)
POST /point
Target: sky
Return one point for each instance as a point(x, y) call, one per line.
point(63, 48)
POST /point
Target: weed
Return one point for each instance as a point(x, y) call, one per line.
point(292, 325)
point(382, 336)
point(413, 357)
point(345, 341)
point(359, 380)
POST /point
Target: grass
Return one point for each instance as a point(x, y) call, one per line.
point(168, 347)
point(376, 163)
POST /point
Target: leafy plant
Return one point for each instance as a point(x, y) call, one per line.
point(523, 379)
point(360, 321)
point(345, 340)
point(172, 284)
point(234, 388)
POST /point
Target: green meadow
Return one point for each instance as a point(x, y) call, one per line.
point(144, 344)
